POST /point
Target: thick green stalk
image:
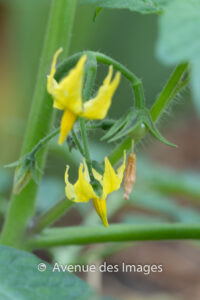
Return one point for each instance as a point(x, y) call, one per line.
point(114, 233)
point(57, 35)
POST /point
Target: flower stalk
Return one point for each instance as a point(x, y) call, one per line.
point(90, 80)
point(114, 233)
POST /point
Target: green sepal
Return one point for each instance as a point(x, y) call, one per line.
point(97, 187)
point(103, 124)
point(98, 167)
point(156, 133)
point(26, 169)
point(135, 124)
point(120, 124)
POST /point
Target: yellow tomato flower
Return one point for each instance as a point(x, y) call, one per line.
point(67, 95)
point(82, 190)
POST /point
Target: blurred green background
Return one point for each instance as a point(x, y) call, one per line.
point(167, 187)
point(126, 36)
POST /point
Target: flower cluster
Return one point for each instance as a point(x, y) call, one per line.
point(67, 96)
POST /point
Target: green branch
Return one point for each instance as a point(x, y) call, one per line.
point(58, 35)
point(50, 217)
point(78, 144)
point(166, 96)
point(114, 233)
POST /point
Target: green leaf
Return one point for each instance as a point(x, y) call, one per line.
point(20, 279)
point(179, 31)
point(144, 6)
point(179, 39)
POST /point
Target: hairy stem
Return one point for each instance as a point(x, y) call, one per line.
point(165, 96)
point(43, 141)
point(78, 144)
point(162, 102)
point(58, 34)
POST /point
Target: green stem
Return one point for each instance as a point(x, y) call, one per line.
point(165, 98)
point(117, 153)
point(78, 144)
point(114, 233)
point(86, 148)
point(90, 79)
point(100, 57)
point(136, 82)
point(43, 141)
point(51, 216)
point(58, 34)
point(162, 102)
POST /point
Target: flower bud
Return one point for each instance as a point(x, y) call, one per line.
point(21, 179)
point(130, 175)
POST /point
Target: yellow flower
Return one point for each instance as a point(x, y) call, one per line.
point(83, 191)
point(67, 95)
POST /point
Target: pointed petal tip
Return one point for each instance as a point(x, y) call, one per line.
point(105, 222)
point(61, 140)
point(57, 53)
point(82, 59)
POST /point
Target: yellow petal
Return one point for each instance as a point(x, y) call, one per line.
point(100, 207)
point(108, 78)
point(111, 180)
point(83, 189)
point(69, 189)
point(98, 107)
point(57, 104)
point(69, 94)
point(51, 82)
point(67, 122)
point(86, 172)
point(97, 176)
